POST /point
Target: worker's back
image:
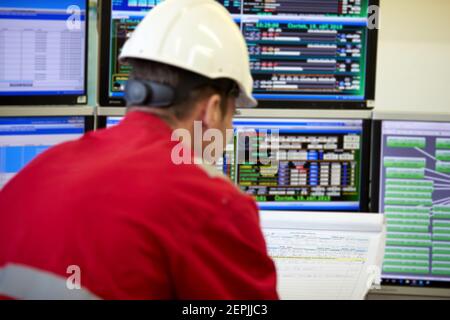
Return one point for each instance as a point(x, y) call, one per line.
point(138, 226)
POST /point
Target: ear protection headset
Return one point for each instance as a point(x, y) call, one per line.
point(158, 95)
point(139, 92)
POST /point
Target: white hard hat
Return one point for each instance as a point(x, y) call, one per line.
point(196, 35)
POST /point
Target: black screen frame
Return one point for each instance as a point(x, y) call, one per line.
point(375, 167)
point(104, 100)
point(101, 122)
point(375, 203)
point(365, 166)
point(104, 51)
point(56, 99)
point(89, 123)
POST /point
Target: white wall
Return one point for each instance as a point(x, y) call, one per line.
point(413, 72)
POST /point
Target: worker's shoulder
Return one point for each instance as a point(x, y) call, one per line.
point(200, 177)
point(209, 190)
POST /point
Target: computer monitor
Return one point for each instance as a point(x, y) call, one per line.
point(43, 51)
point(23, 138)
point(301, 164)
point(411, 186)
point(302, 53)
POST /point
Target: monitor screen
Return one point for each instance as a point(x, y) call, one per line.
point(300, 164)
point(43, 46)
point(301, 52)
point(22, 139)
point(414, 194)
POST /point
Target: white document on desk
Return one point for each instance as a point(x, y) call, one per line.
point(325, 255)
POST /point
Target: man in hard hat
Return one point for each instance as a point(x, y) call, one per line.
point(112, 216)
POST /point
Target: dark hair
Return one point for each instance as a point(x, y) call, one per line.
point(176, 77)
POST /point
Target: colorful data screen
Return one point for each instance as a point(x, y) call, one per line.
point(43, 48)
point(415, 197)
point(22, 139)
point(302, 164)
point(299, 50)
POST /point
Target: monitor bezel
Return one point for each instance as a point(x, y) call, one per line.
point(375, 166)
point(407, 291)
point(375, 183)
point(101, 122)
point(104, 10)
point(365, 165)
point(56, 99)
point(104, 53)
point(89, 123)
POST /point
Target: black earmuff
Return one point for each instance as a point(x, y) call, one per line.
point(138, 92)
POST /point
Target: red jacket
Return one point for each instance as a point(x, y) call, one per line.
point(137, 225)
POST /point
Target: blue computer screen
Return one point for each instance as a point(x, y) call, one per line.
point(22, 139)
point(42, 47)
